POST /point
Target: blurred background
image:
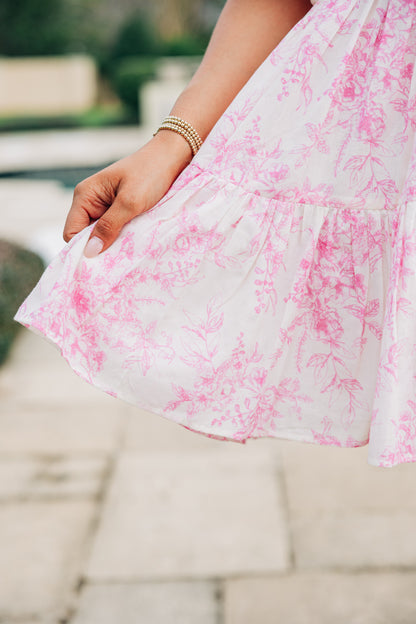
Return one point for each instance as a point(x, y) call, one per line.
point(82, 83)
point(72, 63)
point(109, 514)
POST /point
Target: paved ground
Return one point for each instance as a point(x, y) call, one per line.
point(111, 515)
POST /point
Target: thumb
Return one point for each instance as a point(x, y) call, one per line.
point(107, 229)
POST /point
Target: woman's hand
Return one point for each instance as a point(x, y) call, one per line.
point(125, 189)
point(244, 35)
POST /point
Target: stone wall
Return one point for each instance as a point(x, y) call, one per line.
point(47, 85)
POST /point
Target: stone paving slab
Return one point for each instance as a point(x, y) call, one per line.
point(382, 598)
point(37, 367)
point(169, 516)
point(51, 430)
point(51, 477)
point(146, 433)
point(41, 546)
point(36, 621)
point(354, 539)
point(57, 413)
point(58, 386)
point(16, 476)
point(44, 620)
point(329, 478)
point(345, 513)
point(32, 351)
point(149, 603)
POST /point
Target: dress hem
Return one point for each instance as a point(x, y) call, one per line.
point(308, 439)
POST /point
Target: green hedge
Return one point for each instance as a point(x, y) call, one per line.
point(20, 270)
point(185, 46)
point(128, 75)
point(30, 27)
point(132, 59)
point(137, 36)
point(98, 117)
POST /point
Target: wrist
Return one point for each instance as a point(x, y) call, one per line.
point(176, 150)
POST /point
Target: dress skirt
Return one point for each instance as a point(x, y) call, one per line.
point(272, 291)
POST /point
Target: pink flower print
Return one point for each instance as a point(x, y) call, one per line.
point(387, 81)
point(352, 89)
point(325, 440)
point(227, 389)
point(366, 312)
point(98, 358)
point(266, 406)
point(407, 71)
point(349, 88)
point(402, 449)
point(358, 283)
point(80, 301)
point(371, 124)
point(127, 246)
point(326, 324)
point(279, 173)
point(347, 91)
point(181, 244)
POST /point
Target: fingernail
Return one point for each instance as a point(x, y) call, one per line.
point(93, 247)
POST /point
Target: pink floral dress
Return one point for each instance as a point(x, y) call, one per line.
point(272, 291)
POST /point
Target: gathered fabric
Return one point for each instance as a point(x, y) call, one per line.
point(272, 291)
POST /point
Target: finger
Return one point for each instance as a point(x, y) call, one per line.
point(77, 219)
point(109, 226)
point(91, 199)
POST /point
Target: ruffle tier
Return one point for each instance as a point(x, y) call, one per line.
point(241, 316)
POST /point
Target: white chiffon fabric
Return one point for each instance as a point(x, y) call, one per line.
point(272, 291)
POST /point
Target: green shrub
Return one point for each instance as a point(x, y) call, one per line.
point(30, 27)
point(185, 46)
point(97, 117)
point(20, 270)
point(136, 37)
point(127, 78)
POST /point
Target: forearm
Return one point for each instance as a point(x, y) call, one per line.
point(245, 34)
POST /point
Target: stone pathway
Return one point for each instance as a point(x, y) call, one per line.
point(109, 514)
point(112, 515)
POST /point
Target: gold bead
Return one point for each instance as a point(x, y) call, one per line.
point(186, 125)
point(183, 133)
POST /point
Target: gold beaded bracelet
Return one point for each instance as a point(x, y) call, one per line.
point(182, 127)
point(182, 132)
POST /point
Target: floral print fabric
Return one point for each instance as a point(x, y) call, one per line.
point(272, 291)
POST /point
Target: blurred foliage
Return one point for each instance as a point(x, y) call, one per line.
point(97, 117)
point(30, 27)
point(124, 38)
point(187, 45)
point(137, 36)
point(132, 59)
point(128, 75)
point(48, 27)
point(20, 269)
